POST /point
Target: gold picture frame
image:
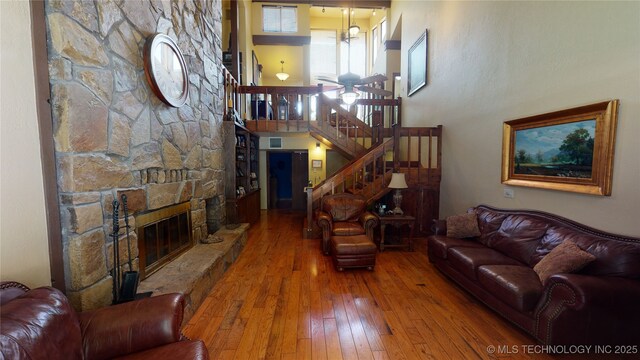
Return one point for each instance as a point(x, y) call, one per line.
point(567, 150)
point(316, 164)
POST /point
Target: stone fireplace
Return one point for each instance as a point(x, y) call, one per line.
point(113, 136)
point(215, 211)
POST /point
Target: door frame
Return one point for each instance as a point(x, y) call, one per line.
point(268, 169)
point(47, 147)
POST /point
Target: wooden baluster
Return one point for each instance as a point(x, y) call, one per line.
point(429, 162)
point(419, 156)
point(309, 209)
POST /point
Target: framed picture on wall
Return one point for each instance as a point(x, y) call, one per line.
point(316, 164)
point(568, 150)
point(417, 70)
point(255, 68)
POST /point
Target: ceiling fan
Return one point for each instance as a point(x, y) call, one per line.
point(351, 81)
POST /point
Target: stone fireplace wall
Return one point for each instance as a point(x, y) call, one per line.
point(114, 136)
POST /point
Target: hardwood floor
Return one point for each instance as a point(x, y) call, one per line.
point(282, 299)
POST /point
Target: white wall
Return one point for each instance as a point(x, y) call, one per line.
point(495, 61)
point(24, 250)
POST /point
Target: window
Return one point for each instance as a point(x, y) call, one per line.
point(323, 54)
point(374, 44)
point(383, 30)
point(279, 19)
point(358, 55)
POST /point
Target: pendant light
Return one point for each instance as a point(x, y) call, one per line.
point(353, 28)
point(349, 95)
point(282, 76)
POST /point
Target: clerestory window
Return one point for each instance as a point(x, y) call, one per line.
point(281, 19)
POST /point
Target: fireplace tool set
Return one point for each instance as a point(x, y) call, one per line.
point(125, 285)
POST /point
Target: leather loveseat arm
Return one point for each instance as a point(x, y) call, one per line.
point(576, 308)
point(131, 327)
point(439, 227)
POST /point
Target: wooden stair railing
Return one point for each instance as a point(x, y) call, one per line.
point(417, 152)
point(349, 134)
point(367, 175)
point(344, 119)
point(419, 155)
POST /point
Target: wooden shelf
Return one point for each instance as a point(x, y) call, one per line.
point(244, 199)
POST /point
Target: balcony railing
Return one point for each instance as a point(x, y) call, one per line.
point(299, 108)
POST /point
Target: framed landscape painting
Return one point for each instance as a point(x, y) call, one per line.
point(569, 150)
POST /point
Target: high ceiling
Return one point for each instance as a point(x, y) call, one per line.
point(270, 55)
point(333, 12)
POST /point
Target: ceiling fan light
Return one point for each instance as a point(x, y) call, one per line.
point(349, 97)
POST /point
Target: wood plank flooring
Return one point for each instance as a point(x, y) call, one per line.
point(282, 299)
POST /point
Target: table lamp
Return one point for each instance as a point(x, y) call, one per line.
point(397, 182)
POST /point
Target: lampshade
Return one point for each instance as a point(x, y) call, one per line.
point(397, 181)
point(282, 76)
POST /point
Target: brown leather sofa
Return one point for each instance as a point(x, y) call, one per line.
point(40, 324)
point(600, 304)
point(344, 214)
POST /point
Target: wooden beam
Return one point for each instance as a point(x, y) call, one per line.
point(290, 40)
point(365, 4)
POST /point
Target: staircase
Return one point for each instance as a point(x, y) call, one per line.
point(369, 133)
point(376, 151)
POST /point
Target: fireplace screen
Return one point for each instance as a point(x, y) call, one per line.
point(162, 236)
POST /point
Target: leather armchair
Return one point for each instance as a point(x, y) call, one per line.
point(41, 324)
point(344, 214)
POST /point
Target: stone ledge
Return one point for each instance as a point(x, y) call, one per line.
point(195, 272)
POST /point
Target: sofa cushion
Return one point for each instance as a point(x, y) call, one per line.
point(347, 228)
point(463, 226)
point(467, 259)
point(518, 286)
point(564, 258)
point(519, 236)
point(438, 245)
point(40, 324)
point(613, 257)
point(489, 223)
point(344, 207)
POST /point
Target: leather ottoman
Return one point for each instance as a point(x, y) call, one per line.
point(353, 251)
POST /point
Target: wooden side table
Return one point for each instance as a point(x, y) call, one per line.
point(396, 221)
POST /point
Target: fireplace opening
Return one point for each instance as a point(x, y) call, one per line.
point(163, 235)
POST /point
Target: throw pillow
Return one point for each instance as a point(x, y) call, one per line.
point(564, 258)
point(463, 226)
